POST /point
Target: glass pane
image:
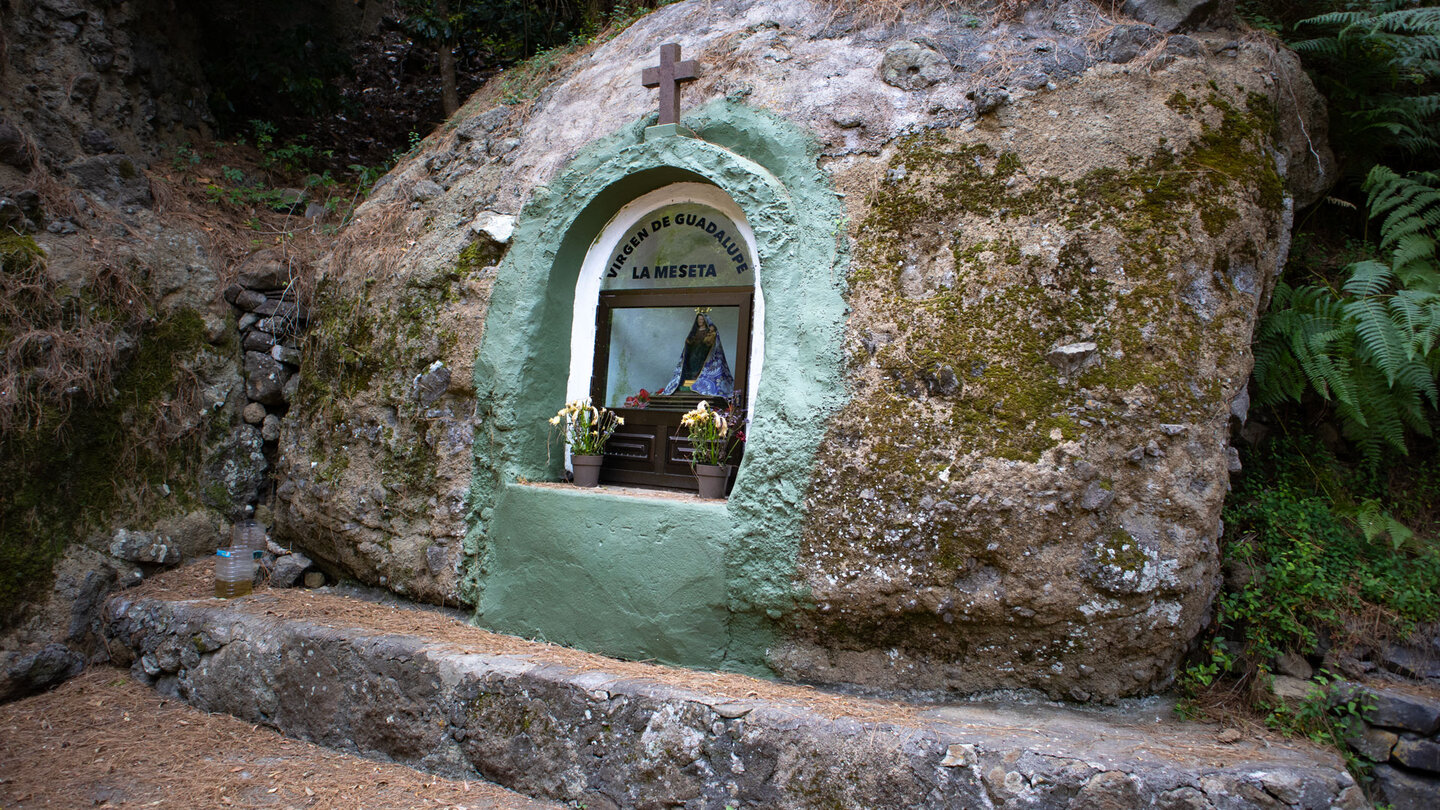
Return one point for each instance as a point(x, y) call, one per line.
point(680, 246)
point(667, 358)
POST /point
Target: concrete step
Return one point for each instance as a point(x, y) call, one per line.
point(426, 690)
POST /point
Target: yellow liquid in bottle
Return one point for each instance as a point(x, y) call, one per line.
point(229, 589)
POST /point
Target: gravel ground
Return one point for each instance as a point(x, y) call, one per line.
point(103, 740)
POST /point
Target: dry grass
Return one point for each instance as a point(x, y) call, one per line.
point(57, 196)
point(192, 193)
point(885, 11)
point(59, 348)
point(373, 245)
point(102, 739)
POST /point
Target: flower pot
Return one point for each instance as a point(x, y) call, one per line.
point(712, 479)
point(587, 470)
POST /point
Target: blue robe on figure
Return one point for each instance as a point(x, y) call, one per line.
point(714, 378)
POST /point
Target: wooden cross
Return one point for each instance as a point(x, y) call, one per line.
point(668, 76)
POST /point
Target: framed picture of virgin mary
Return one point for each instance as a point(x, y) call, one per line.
point(658, 355)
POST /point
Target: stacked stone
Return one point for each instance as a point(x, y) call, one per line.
point(1402, 734)
point(270, 327)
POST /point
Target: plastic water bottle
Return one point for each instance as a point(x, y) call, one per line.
point(248, 535)
point(234, 572)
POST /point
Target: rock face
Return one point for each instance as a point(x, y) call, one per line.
point(289, 570)
point(1052, 245)
point(1178, 15)
point(126, 299)
point(144, 547)
point(27, 672)
point(93, 79)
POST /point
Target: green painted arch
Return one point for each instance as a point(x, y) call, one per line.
point(600, 570)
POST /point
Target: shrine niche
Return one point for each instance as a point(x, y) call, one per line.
point(647, 277)
point(675, 312)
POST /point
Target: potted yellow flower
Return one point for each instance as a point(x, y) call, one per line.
point(710, 434)
point(587, 428)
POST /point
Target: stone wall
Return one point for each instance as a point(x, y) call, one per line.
point(1057, 232)
point(1401, 734)
point(1392, 726)
point(583, 730)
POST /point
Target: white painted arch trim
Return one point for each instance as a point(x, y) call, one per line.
point(597, 258)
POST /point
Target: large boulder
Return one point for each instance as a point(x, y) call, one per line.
point(1179, 15)
point(1035, 255)
point(25, 673)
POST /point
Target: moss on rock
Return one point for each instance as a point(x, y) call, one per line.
point(74, 472)
point(1010, 320)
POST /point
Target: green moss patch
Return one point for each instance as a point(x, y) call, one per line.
point(993, 327)
point(74, 472)
point(962, 357)
point(87, 432)
point(357, 344)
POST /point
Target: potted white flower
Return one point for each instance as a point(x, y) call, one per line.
point(713, 435)
point(587, 428)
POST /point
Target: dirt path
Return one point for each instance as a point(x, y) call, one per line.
point(103, 740)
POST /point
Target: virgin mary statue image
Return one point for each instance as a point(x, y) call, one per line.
point(702, 367)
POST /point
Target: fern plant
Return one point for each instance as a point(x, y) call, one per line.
point(1378, 67)
point(1375, 521)
point(1371, 347)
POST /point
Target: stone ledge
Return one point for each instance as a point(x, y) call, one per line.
point(570, 726)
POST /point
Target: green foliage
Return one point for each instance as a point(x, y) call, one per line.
point(237, 190)
point(508, 30)
point(1375, 522)
point(1378, 65)
point(1313, 549)
point(185, 157)
point(1328, 716)
point(511, 30)
point(1319, 554)
point(280, 162)
point(526, 80)
point(1369, 347)
point(367, 176)
point(288, 157)
point(1311, 568)
point(270, 57)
